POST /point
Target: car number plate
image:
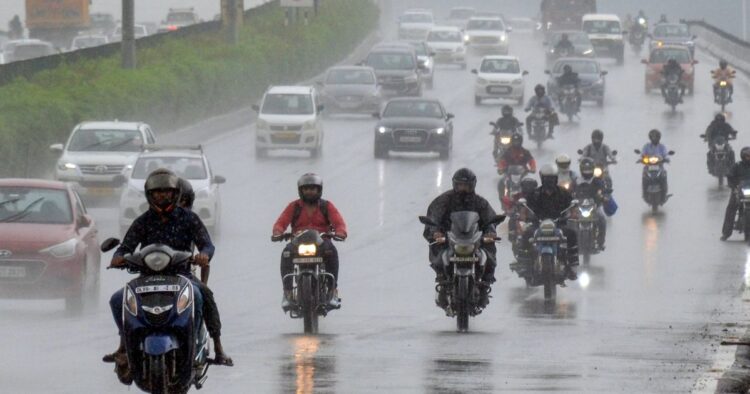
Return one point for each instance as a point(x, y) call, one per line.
point(307, 260)
point(157, 289)
point(12, 272)
point(499, 89)
point(100, 191)
point(410, 139)
point(286, 136)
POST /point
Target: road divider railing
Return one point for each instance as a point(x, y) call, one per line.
point(721, 44)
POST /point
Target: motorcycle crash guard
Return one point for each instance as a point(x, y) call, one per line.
point(156, 345)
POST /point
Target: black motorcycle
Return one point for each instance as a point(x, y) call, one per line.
point(502, 140)
point(539, 126)
point(742, 223)
point(637, 35)
point(672, 91)
point(654, 179)
point(602, 169)
point(312, 285)
point(720, 157)
point(464, 263)
point(568, 101)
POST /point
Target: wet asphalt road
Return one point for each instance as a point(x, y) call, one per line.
point(641, 318)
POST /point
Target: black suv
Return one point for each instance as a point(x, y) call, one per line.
point(414, 125)
point(397, 68)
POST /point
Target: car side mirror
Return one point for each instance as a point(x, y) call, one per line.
point(580, 151)
point(624, 32)
point(695, 62)
point(524, 73)
point(83, 221)
point(644, 61)
point(109, 244)
point(432, 54)
point(256, 107)
point(218, 179)
point(605, 72)
point(449, 116)
point(637, 151)
point(376, 115)
point(614, 152)
point(671, 153)
point(320, 108)
point(694, 37)
point(474, 71)
point(57, 148)
point(427, 221)
point(120, 180)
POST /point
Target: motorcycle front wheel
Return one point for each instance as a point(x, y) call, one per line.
point(550, 280)
point(462, 304)
point(309, 306)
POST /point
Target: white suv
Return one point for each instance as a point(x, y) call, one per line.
point(188, 162)
point(97, 152)
point(448, 45)
point(289, 118)
point(415, 24)
point(487, 34)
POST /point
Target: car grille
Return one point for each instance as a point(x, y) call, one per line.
point(485, 40)
point(410, 136)
point(33, 268)
point(101, 169)
point(286, 127)
point(284, 139)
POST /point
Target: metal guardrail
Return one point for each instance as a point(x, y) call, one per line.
point(721, 44)
point(28, 68)
point(721, 33)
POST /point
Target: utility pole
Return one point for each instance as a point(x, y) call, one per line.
point(128, 34)
point(233, 17)
point(744, 20)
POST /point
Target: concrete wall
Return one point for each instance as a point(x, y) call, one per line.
point(722, 45)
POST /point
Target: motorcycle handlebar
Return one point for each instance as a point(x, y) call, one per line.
point(289, 236)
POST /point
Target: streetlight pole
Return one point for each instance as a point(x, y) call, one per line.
point(744, 20)
point(128, 34)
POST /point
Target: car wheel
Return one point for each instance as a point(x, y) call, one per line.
point(316, 152)
point(477, 100)
point(74, 303)
point(260, 153)
point(445, 153)
point(600, 102)
point(380, 152)
point(646, 88)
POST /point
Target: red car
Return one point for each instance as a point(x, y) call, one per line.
point(48, 243)
point(657, 59)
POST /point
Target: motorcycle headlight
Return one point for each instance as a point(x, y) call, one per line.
point(131, 305)
point(307, 250)
point(67, 166)
point(185, 299)
point(653, 160)
point(565, 185)
point(439, 130)
point(746, 191)
point(598, 172)
point(505, 140)
point(723, 83)
point(641, 21)
point(463, 249)
point(586, 213)
point(157, 261)
point(659, 43)
point(62, 250)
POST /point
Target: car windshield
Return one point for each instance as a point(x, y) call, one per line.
point(671, 31)
point(350, 77)
point(185, 167)
point(87, 140)
point(288, 104)
point(601, 27)
point(413, 109)
point(574, 37)
point(87, 42)
point(30, 51)
point(34, 205)
point(416, 18)
point(391, 61)
point(180, 17)
point(502, 66)
point(444, 36)
point(578, 67)
point(461, 13)
point(660, 56)
point(485, 24)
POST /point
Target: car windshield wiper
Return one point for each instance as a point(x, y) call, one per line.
point(123, 142)
point(22, 214)
point(10, 201)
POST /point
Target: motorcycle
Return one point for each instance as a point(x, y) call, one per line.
point(167, 348)
point(722, 94)
point(637, 36)
point(583, 220)
point(547, 256)
point(602, 169)
point(464, 262)
point(568, 101)
point(654, 193)
point(510, 184)
point(672, 91)
point(742, 223)
point(539, 126)
point(312, 288)
point(503, 139)
point(720, 158)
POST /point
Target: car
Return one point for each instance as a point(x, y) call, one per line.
point(48, 243)
point(178, 18)
point(415, 24)
point(672, 34)
point(457, 16)
point(140, 31)
point(413, 125)
point(523, 25)
point(398, 69)
point(499, 77)
point(579, 39)
point(606, 34)
point(88, 41)
point(102, 23)
point(97, 152)
point(593, 84)
point(25, 49)
point(448, 45)
point(350, 89)
point(659, 56)
point(425, 57)
point(188, 162)
point(487, 35)
point(289, 117)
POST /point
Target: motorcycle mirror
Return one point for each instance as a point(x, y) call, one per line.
point(614, 152)
point(546, 72)
point(671, 153)
point(474, 71)
point(109, 244)
point(580, 151)
point(525, 73)
point(637, 151)
point(703, 136)
point(522, 201)
point(695, 62)
point(694, 36)
point(493, 124)
point(427, 221)
point(604, 72)
point(574, 202)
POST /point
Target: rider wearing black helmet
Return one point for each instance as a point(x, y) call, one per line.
point(569, 78)
point(462, 197)
point(719, 129)
point(564, 45)
point(726, 74)
point(672, 68)
point(591, 186)
point(543, 102)
point(508, 121)
point(187, 195)
point(739, 173)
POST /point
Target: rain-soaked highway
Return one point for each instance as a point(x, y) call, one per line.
point(642, 317)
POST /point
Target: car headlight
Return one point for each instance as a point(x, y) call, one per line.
point(427, 63)
point(185, 299)
point(439, 130)
point(157, 261)
point(309, 125)
point(517, 81)
point(467, 38)
point(62, 250)
point(463, 249)
point(307, 249)
point(383, 129)
point(503, 38)
point(67, 166)
point(588, 51)
point(131, 305)
point(600, 81)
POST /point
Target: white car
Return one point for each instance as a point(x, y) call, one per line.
point(487, 35)
point(88, 41)
point(499, 77)
point(97, 152)
point(606, 35)
point(448, 45)
point(188, 162)
point(289, 118)
point(140, 31)
point(415, 24)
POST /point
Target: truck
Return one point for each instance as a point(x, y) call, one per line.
point(565, 14)
point(57, 21)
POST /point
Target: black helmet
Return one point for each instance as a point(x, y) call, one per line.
point(563, 162)
point(548, 175)
point(162, 180)
point(528, 185)
point(720, 118)
point(745, 155)
point(507, 110)
point(187, 195)
point(310, 179)
point(655, 136)
point(516, 140)
point(539, 90)
point(597, 135)
point(723, 63)
point(567, 69)
point(672, 62)
point(465, 176)
point(587, 167)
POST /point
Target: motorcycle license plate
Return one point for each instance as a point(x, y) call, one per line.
point(654, 189)
point(654, 168)
point(157, 289)
point(410, 139)
point(547, 239)
point(12, 272)
point(307, 260)
point(455, 259)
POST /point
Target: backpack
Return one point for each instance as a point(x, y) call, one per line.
point(323, 204)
